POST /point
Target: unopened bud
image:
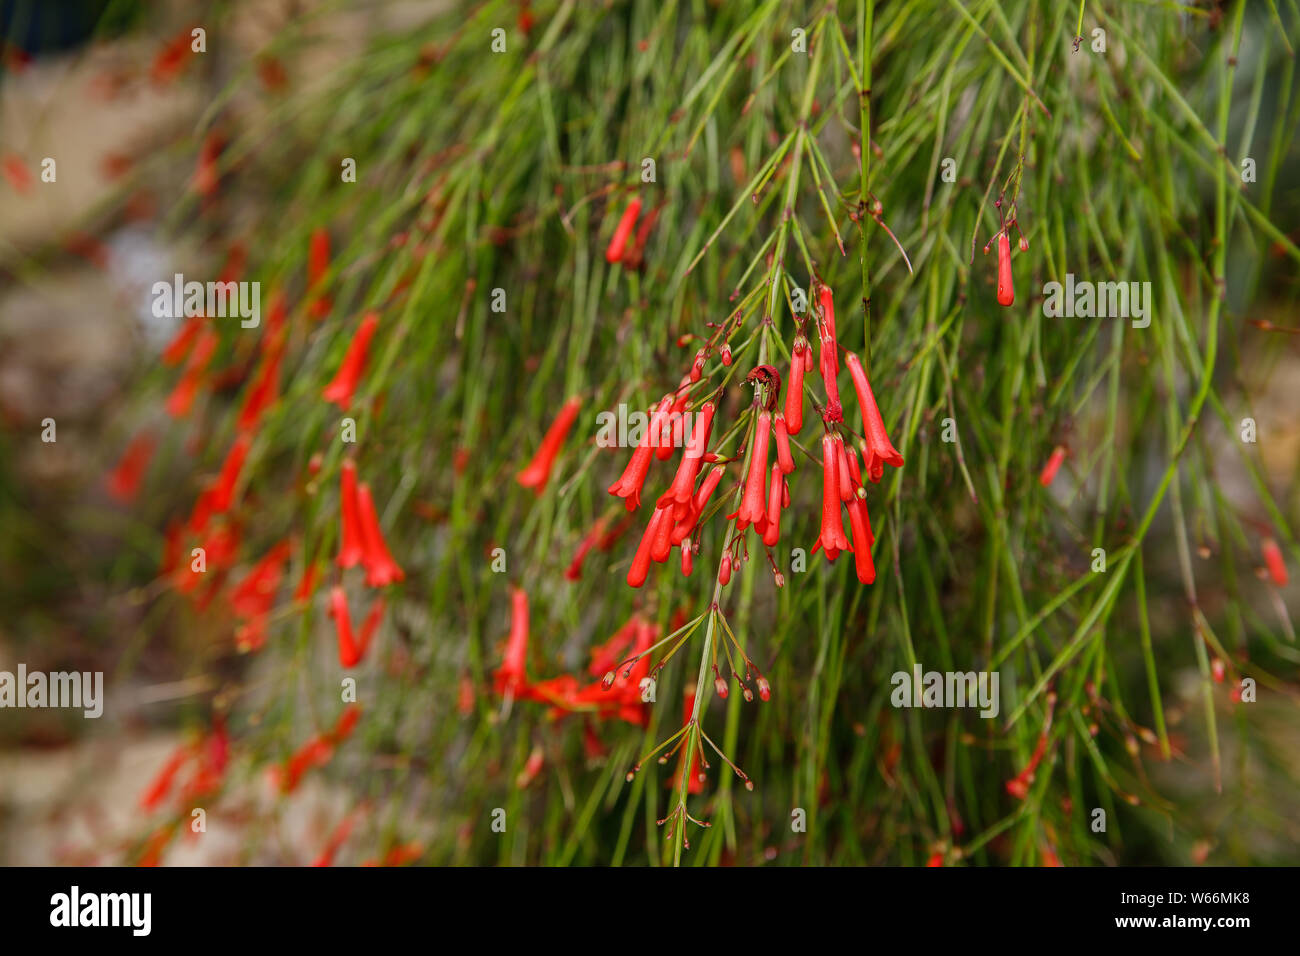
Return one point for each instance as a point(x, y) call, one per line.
point(764, 688)
point(720, 686)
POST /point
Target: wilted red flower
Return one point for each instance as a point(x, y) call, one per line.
point(344, 385)
point(123, 481)
point(538, 472)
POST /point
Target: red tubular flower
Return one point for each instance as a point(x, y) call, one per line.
point(181, 399)
point(688, 559)
point(351, 546)
point(262, 395)
point(630, 483)
point(179, 346)
point(206, 176)
point(724, 569)
point(346, 723)
point(753, 507)
point(341, 390)
point(681, 493)
point(640, 568)
point(224, 490)
point(381, 569)
point(307, 584)
point(162, 783)
point(1053, 466)
point(318, 263)
point(847, 489)
point(828, 319)
point(783, 455)
point(606, 656)
point(831, 538)
point(621, 232)
point(829, 366)
point(589, 540)
point(538, 472)
point(349, 654)
point(336, 840)
point(123, 481)
point(880, 450)
point(171, 59)
point(1273, 559)
point(794, 389)
point(512, 676)
point(862, 540)
point(1006, 293)
point(16, 172)
point(370, 626)
point(772, 533)
point(254, 596)
point(635, 254)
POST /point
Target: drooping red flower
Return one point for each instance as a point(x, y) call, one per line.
point(348, 376)
point(351, 543)
point(318, 264)
point(123, 481)
point(222, 493)
point(254, 597)
point(781, 431)
point(682, 491)
point(538, 472)
point(1273, 561)
point(629, 484)
point(589, 541)
point(621, 232)
point(381, 569)
point(880, 450)
point(830, 355)
point(182, 396)
point(776, 485)
point(862, 540)
point(161, 784)
point(831, 538)
point(1006, 292)
point(1053, 465)
point(176, 350)
point(658, 530)
point(207, 178)
point(172, 58)
point(349, 653)
point(15, 170)
point(512, 676)
point(753, 506)
point(262, 394)
point(336, 841)
point(794, 387)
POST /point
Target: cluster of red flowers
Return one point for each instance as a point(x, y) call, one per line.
point(620, 664)
point(678, 511)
